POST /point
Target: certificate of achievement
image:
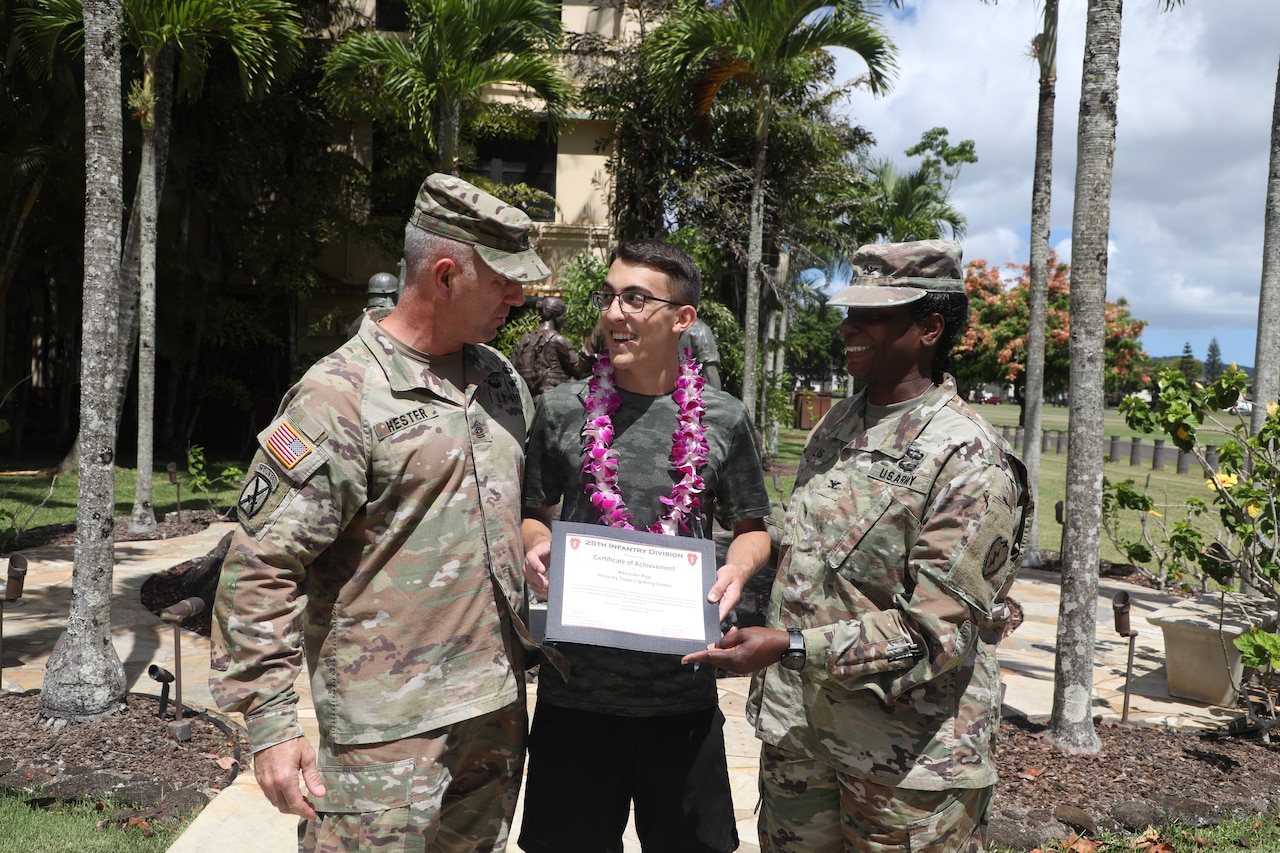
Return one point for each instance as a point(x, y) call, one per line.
point(631, 589)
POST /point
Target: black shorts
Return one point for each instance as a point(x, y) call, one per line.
point(585, 769)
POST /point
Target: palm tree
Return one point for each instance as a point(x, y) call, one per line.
point(85, 678)
point(911, 205)
point(454, 49)
point(1266, 377)
point(1071, 722)
point(752, 42)
point(265, 37)
point(1046, 50)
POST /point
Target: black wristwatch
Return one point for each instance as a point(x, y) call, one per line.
point(795, 655)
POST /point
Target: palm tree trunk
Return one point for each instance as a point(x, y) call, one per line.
point(130, 259)
point(85, 679)
point(143, 517)
point(1071, 722)
point(450, 121)
point(755, 255)
point(1041, 195)
point(10, 261)
point(1266, 377)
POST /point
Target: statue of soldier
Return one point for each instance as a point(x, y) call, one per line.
point(701, 341)
point(544, 357)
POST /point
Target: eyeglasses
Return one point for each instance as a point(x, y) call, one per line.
point(631, 302)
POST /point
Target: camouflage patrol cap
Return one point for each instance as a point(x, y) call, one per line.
point(889, 274)
point(451, 207)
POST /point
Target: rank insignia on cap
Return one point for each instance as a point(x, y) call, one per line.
point(287, 445)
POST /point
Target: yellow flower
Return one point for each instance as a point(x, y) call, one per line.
point(1156, 514)
point(1272, 408)
point(1254, 510)
point(1223, 480)
point(1199, 386)
point(1182, 432)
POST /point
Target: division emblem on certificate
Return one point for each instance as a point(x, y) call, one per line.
point(630, 589)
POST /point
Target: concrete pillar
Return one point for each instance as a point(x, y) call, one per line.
point(1157, 455)
point(1135, 452)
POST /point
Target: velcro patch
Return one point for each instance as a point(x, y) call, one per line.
point(287, 445)
point(393, 425)
point(887, 474)
point(253, 497)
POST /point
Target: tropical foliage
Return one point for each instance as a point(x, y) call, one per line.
point(754, 43)
point(431, 82)
point(1246, 494)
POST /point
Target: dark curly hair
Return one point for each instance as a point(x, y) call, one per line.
point(954, 308)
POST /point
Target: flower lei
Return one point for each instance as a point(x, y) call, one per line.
point(688, 448)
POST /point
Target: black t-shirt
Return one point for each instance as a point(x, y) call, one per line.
point(619, 681)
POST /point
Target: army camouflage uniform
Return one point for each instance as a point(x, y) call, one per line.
point(900, 543)
point(380, 539)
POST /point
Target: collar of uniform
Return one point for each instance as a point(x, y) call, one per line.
point(893, 437)
point(404, 374)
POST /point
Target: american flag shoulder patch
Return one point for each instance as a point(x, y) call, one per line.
point(287, 445)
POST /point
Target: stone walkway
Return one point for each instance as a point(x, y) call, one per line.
point(240, 818)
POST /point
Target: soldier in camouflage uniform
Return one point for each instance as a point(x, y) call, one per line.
point(380, 540)
point(877, 692)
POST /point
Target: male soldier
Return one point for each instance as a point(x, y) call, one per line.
point(902, 537)
point(380, 538)
point(544, 357)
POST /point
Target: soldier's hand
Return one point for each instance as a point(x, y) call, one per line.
point(276, 769)
point(742, 652)
point(535, 567)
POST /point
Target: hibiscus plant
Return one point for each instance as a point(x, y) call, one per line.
point(1246, 493)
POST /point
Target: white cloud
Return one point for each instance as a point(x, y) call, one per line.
point(1197, 87)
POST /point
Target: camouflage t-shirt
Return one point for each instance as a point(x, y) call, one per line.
point(619, 681)
point(900, 542)
point(380, 539)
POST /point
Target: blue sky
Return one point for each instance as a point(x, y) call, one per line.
point(1197, 87)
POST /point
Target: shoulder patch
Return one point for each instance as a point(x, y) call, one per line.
point(253, 497)
point(287, 445)
point(997, 556)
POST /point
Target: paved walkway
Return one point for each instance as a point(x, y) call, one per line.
point(240, 818)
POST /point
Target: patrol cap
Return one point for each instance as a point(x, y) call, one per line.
point(451, 207)
point(888, 274)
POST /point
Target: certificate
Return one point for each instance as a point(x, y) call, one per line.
point(631, 589)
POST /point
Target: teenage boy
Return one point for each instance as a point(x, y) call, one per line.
point(635, 727)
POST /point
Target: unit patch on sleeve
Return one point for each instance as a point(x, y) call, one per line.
point(997, 556)
point(253, 497)
point(287, 445)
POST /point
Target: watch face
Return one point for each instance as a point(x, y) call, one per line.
point(793, 660)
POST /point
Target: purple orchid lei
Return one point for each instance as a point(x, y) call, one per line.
point(688, 448)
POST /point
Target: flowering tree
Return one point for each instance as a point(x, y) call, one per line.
point(994, 347)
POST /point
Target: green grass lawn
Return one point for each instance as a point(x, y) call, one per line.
point(1055, 418)
point(75, 827)
point(34, 497)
